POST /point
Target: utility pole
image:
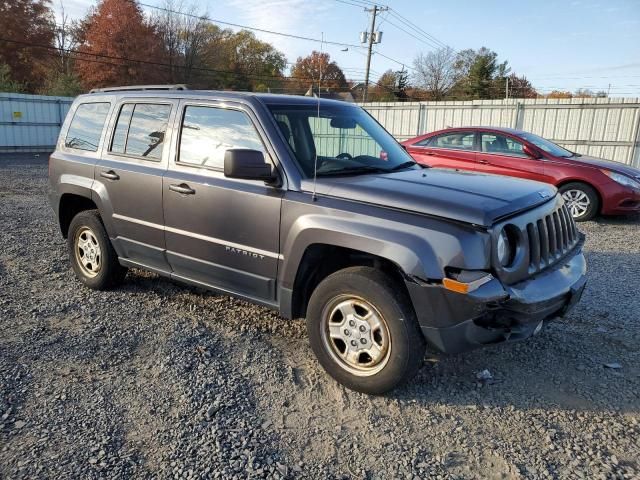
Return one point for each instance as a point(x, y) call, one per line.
point(373, 38)
point(506, 90)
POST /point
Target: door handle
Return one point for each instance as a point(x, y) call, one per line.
point(183, 188)
point(482, 160)
point(111, 175)
point(429, 153)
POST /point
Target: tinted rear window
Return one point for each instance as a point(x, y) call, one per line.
point(140, 130)
point(86, 127)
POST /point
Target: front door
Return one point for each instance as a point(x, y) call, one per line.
point(504, 155)
point(220, 232)
point(129, 179)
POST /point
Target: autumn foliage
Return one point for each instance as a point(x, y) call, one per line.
point(307, 71)
point(120, 47)
point(26, 22)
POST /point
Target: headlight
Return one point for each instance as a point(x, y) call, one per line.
point(505, 249)
point(622, 179)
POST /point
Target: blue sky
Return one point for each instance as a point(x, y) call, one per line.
point(562, 44)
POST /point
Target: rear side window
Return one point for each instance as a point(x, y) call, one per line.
point(140, 130)
point(455, 141)
point(208, 132)
point(86, 127)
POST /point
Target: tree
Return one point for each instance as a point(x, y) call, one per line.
point(402, 77)
point(7, 84)
point(384, 90)
point(116, 36)
point(183, 32)
point(62, 85)
point(520, 87)
point(559, 94)
point(307, 71)
point(486, 75)
point(30, 24)
point(479, 75)
point(239, 61)
point(253, 61)
point(436, 72)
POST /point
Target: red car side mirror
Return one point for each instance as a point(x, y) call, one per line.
point(530, 151)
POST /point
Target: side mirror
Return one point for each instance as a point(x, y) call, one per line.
point(248, 165)
point(530, 152)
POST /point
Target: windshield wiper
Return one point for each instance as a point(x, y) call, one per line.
point(403, 165)
point(353, 171)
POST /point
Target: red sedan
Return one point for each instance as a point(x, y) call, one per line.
point(590, 186)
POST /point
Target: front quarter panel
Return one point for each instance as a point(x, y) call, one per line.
point(421, 246)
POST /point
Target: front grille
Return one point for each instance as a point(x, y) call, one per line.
point(550, 238)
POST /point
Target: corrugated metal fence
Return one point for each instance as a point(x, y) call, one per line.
point(602, 127)
point(31, 123)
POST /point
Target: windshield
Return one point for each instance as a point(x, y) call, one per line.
point(547, 146)
point(346, 140)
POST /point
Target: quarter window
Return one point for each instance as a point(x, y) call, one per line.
point(208, 132)
point(141, 129)
point(501, 144)
point(86, 127)
point(455, 141)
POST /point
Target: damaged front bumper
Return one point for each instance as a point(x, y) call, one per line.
point(494, 313)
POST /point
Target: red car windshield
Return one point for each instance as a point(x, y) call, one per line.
point(547, 146)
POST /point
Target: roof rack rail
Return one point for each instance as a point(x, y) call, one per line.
point(139, 87)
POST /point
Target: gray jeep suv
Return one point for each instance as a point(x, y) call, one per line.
point(311, 208)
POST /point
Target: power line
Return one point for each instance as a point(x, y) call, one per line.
point(423, 39)
point(417, 28)
point(247, 27)
point(81, 56)
point(272, 32)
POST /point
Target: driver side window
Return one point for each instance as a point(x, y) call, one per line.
point(501, 144)
point(331, 141)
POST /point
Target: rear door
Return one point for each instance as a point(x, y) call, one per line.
point(220, 232)
point(503, 155)
point(447, 150)
point(129, 179)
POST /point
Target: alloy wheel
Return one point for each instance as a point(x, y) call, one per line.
point(577, 201)
point(87, 252)
point(356, 335)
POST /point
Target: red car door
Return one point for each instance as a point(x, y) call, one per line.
point(448, 150)
point(504, 155)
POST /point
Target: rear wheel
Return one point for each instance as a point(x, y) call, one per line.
point(581, 200)
point(363, 331)
point(93, 259)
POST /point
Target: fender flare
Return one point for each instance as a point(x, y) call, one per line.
point(418, 251)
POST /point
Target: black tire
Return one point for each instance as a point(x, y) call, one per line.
point(110, 272)
point(590, 192)
point(407, 345)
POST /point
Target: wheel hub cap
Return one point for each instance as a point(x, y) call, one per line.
point(356, 335)
point(577, 202)
point(87, 252)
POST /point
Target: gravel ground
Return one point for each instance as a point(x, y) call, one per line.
point(159, 380)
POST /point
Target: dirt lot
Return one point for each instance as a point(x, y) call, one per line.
point(159, 380)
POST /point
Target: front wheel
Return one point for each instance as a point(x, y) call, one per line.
point(363, 331)
point(581, 200)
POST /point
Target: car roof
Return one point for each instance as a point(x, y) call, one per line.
point(512, 131)
point(265, 98)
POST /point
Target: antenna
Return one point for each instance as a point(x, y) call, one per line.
point(315, 160)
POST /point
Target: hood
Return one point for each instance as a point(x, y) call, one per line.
point(468, 197)
point(608, 164)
